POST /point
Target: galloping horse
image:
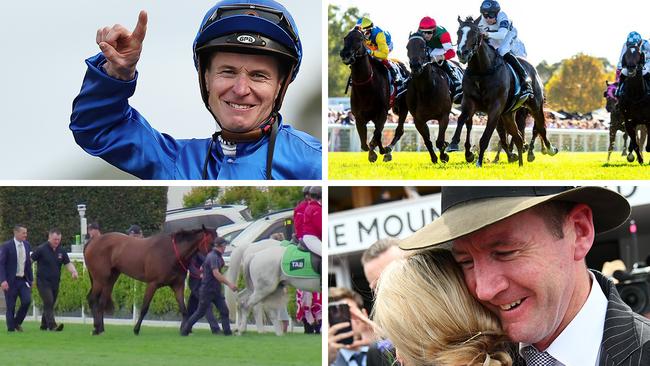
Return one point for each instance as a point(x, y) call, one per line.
point(370, 99)
point(160, 260)
point(265, 279)
point(428, 95)
point(634, 102)
point(489, 86)
point(615, 120)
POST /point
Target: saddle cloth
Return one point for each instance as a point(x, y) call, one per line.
point(297, 263)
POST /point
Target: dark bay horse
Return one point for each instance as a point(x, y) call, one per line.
point(634, 101)
point(160, 260)
point(369, 99)
point(615, 118)
point(489, 86)
point(428, 95)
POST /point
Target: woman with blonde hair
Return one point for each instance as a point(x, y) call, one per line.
point(424, 308)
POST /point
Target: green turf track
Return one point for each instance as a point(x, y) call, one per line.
point(118, 346)
point(417, 165)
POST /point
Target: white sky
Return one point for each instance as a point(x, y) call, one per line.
point(44, 46)
point(552, 30)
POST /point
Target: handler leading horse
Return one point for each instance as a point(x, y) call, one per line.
point(489, 86)
point(370, 99)
point(160, 260)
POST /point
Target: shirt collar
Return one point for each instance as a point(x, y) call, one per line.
point(348, 353)
point(17, 242)
point(584, 332)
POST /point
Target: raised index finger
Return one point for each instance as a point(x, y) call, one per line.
point(141, 28)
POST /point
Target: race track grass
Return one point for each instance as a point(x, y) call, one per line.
point(417, 165)
point(118, 346)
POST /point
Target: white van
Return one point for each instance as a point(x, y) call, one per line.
point(264, 227)
point(213, 216)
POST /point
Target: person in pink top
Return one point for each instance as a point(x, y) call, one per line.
point(313, 216)
point(299, 215)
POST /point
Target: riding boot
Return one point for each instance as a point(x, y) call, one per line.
point(456, 89)
point(526, 88)
point(316, 262)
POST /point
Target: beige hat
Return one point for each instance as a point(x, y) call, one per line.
point(468, 209)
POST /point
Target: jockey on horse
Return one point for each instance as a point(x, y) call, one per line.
point(380, 44)
point(440, 50)
point(502, 35)
point(633, 39)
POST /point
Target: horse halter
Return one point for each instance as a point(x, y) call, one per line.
point(474, 49)
point(360, 51)
point(416, 68)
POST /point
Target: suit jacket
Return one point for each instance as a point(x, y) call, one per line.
point(626, 337)
point(9, 263)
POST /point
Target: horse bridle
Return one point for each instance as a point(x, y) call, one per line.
point(358, 53)
point(202, 245)
point(639, 65)
point(476, 46)
point(427, 57)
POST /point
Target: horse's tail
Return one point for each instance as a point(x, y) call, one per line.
point(236, 257)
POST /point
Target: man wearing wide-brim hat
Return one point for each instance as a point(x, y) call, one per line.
point(522, 251)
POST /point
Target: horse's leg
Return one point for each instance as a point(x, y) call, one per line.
point(402, 112)
point(423, 129)
point(503, 144)
point(95, 306)
point(455, 140)
point(377, 134)
point(148, 295)
point(540, 127)
point(258, 313)
point(624, 142)
point(511, 126)
point(443, 122)
point(362, 130)
point(493, 119)
point(179, 292)
point(612, 138)
point(466, 118)
point(634, 147)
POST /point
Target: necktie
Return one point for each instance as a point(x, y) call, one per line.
point(20, 270)
point(534, 357)
point(358, 358)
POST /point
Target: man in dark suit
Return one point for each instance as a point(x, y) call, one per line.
point(522, 251)
point(16, 277)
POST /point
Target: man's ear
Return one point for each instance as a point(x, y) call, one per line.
point(582, 224)
point(205, 81)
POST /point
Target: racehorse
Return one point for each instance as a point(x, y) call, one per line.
point(428, 95)
point(370, 99)
point(237, 257)
point(489, 86)
point(265, 280)
point(160, 260)
point(615, 118)
point(634, 101)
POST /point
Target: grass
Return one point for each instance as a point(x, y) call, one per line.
point(154, 346)
point(417, 165)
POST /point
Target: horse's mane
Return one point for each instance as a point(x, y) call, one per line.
point(469, 20)
point(183, 234)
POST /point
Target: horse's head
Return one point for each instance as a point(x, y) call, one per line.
point(610, 96)
point(417, 52)
point(633, 60)
point(354, 47)
point(469, 38)
point(201, 238)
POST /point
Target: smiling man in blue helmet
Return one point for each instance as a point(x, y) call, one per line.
point(246, 53)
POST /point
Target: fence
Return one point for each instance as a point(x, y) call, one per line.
point(345, 138)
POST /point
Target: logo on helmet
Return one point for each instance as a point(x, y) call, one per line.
point(245, 38)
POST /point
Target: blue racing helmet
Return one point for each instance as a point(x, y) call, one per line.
point(633, 39)
point(249, 26)
point(490, 8)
